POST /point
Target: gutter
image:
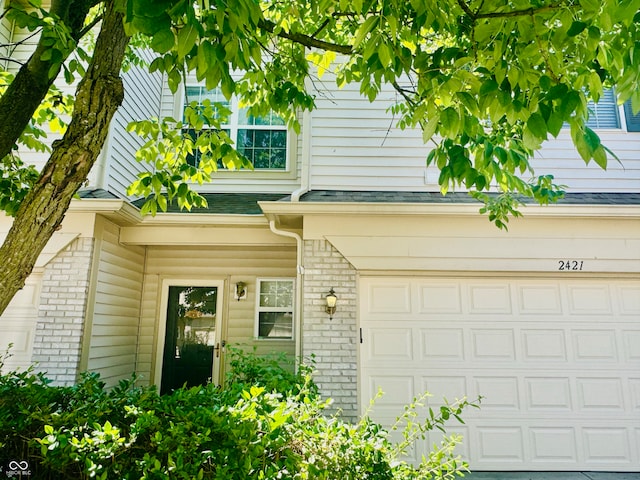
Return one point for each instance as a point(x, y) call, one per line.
point(299, 297)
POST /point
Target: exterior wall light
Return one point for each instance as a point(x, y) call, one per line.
point(331, 300)
point(241, 291)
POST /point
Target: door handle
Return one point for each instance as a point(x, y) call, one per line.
point(219, 346)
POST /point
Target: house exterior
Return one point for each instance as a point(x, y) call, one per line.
point(542, 321)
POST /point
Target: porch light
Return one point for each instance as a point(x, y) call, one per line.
point(241, 291)
point(331, 300)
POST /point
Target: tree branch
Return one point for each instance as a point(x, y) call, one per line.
point(510, 14)
point(306, 40)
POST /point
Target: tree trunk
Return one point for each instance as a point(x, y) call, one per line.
point(98, 96)
point(33, 80)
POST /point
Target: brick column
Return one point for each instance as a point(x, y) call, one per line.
point(333, 342)
point(58, 339)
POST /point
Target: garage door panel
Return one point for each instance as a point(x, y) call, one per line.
point(553, 444)
point(629, 300)
point(444, 389)
point(493, 344)
point(632, 345)
point(597, 345)
point(589, 299)
point(556, 361)
point(600, 394)
point(634, 387)
point(500, 445)
point(536, 299)
point(499, 392)
point(389, 344)
point(442, 343)
point(543, 345)
point(548, 394)
point(490, 299)
point(606, 445)
point(389, 298)
point(440, 299)
point(397, 391)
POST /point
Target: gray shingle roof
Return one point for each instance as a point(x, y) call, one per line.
point(456, 197)
point(229, 203)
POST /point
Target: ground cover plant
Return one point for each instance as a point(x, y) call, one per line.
point(268, 426)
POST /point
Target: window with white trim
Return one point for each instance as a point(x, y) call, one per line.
point(274, 308)
point(263, 140)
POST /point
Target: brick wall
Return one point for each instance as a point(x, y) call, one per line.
point(333, 342)
point(58, 338)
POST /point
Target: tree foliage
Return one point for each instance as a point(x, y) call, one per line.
point(487, 82)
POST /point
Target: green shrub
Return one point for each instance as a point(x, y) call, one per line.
point(276, 430)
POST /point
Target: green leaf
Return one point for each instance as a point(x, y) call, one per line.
point(163, 41)
point(187, 37)
point(576, 28)
point(600, 157)
point(430, 128)
point(537, 126)
point(368, 26)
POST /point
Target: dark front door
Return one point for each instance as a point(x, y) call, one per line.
point(191, 340)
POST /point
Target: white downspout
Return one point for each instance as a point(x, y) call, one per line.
point(299, 297)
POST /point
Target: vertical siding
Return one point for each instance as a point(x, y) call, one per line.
point(230, 264)
point(355, 146)
point(116, 308)
point(143, 94)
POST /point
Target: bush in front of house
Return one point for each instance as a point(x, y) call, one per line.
point(274, 427)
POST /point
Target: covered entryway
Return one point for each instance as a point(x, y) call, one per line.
point(557, 361)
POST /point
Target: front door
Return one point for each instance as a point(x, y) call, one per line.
point(191, 345)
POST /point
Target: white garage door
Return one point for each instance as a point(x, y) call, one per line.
point(556, 360)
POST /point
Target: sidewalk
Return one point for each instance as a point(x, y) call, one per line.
point(552, 476)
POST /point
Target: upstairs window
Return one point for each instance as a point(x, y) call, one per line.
point(262, 140)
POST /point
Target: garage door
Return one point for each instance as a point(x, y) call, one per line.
point(556, 360)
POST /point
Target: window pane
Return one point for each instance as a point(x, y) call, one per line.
point(261, 158)
point(275, 325)
point(278, 159)
point(279, 139)
point(276, 293)
point(245, 138)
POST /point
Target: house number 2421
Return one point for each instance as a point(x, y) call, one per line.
point(574, 265)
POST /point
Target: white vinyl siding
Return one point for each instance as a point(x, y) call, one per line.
point(116, 308)
point(356, 146)
point(143, 94)
point(232, 264)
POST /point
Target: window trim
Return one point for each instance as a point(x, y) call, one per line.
point(259, 309)
point(288, 173)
